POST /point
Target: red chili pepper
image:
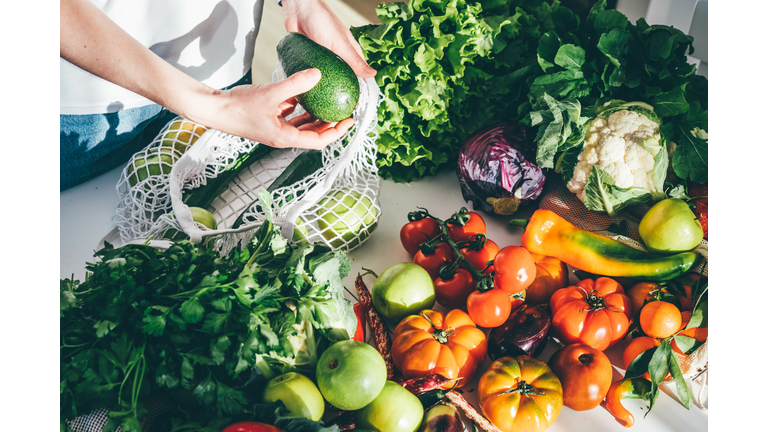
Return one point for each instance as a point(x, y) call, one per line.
point(380, 335)
point(471, 412)
point(359, 309)
point(426, 383)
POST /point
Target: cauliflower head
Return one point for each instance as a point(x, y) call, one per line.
point(622, 160)
point(617, 144)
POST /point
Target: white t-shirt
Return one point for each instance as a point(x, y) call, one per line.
point(210, 40)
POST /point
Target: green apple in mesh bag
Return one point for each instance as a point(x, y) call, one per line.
point(343, 215)
point(199, 215)
point(153, 162)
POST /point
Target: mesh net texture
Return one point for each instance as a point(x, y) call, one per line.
point(337, 205)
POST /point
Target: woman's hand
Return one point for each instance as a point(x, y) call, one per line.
point(314, 19)
point(258, 112)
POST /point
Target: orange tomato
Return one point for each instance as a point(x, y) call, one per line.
point(641, 293)
point(660, 319)
point(593, 312)
point(520, 394)
point(450, 345)
point(551, 275)
point(490, 308)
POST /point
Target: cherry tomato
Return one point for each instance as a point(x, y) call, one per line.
point(453, 293)
point(585, 373)
point(490, 308)
point(414, 233)
point(514, 269)
point(479, 258)
point(443, 254)
point(475, 225)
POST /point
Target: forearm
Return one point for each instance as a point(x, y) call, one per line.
point(93, 42)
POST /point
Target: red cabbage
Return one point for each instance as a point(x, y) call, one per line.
point(496, 171)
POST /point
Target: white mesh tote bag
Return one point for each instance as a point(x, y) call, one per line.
point(328, 197)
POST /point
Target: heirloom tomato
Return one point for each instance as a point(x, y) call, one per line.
point(431, 262)
point(514, 269)
point(551, 275)
point(474, 225)
point(520, 394)
point(585, 373)
point(479, 258)
point(489, 308)
point(414, 233)
point(593, 312)
point(452, 293)
point(432, 343)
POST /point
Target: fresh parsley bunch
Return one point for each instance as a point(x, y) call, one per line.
point(187, 322)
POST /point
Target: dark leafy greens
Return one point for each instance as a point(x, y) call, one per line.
point(607, 57)
point(148, 322)
point(448, 68)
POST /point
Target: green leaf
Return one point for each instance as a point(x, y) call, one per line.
point(205, 392)
point(192, 310)
point(699, 315)
point(103, 327)
point(639, 366)
point(682, 387)
point(602, 195)
point(658, 367)
point(671, 103)
point(684, 343)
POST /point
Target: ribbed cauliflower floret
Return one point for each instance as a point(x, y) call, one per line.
point(615, 145)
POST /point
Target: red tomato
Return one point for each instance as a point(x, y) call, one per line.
point(475, 225)
point(453, 293)
point(414, 233)
point(585, 373)
point(593, 312)
point(249, 426)
point(514, 269)
point(479, 258)
point(443, 254)
point(490, 308)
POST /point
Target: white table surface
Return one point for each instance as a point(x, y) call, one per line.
point(87, 209)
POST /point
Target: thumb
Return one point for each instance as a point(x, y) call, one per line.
point(296, 84)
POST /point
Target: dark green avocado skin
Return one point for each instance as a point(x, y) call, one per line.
point(332, 99)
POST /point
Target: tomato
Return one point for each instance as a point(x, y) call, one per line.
point(551, 275)
point(479, 258)
point(249, 426)
point(514, 269)
point(490, 308)
point(643, 292)
point(360, 313)
point(450, 345)
point(443, 254)
point(520, 394)
point(585, 373)
point(414, 233)
point(475, 225)
point(593, 312)
point(453, 293)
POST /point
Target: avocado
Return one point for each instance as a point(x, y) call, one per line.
point(332, 99)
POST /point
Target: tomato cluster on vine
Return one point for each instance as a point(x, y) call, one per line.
point(469, 270)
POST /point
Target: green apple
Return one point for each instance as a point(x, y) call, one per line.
point(670, 227)
point(343, 215)
point(350, 374)
point(298, 393)
point(395, 409)
point(199, 215)
point(403, 289)
point(153, 162)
